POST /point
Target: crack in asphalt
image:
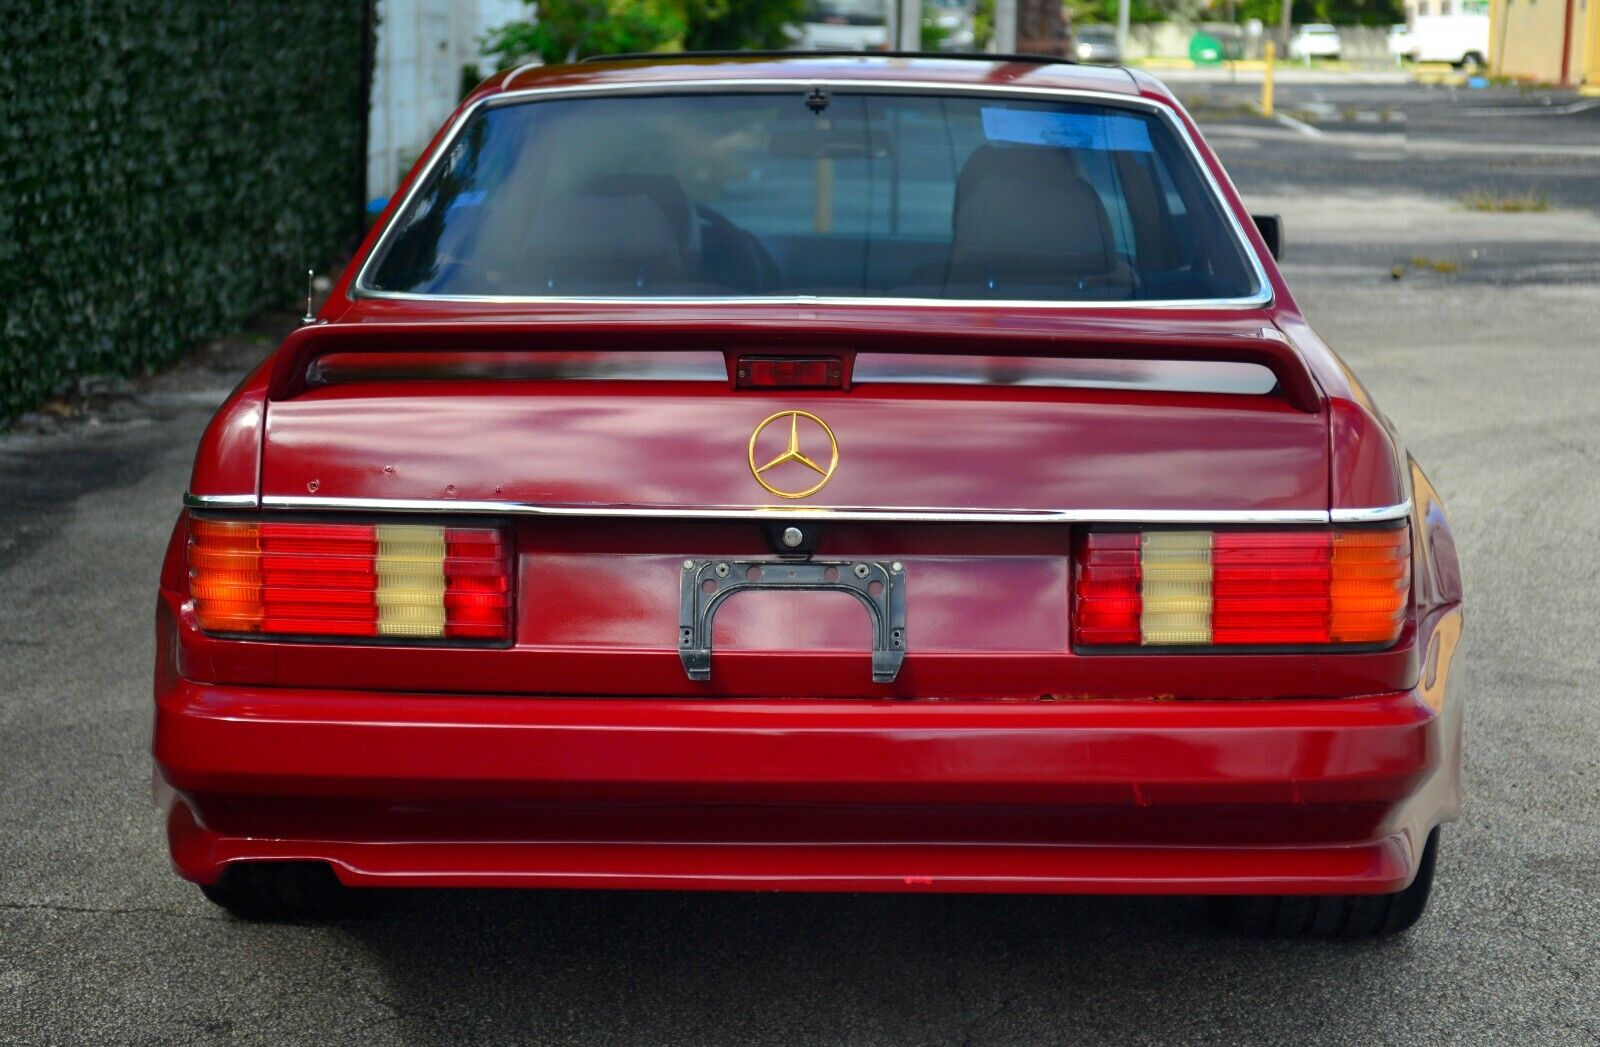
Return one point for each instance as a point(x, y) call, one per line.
point(396, 1013)
point(91, 910)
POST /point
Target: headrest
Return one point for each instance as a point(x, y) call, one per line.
point(664, 190)
point(1024, 215)
point(603, 239)
point(1029, 161)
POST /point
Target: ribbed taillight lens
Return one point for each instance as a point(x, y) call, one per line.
point(403, 581)
point(1304, 587)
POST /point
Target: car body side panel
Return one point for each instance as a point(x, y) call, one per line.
point(1436, 582)
point(227, 463)
point(1366, 465)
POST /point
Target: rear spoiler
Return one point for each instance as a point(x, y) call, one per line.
point(1263, 346)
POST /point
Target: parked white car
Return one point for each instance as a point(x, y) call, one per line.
point(1317, 40)
point(845, 25)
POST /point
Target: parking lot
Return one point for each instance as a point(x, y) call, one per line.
point(1478, 331)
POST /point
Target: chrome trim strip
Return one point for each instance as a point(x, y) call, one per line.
point(799, 512)
point(518, 71)
point(1262, 297)
point(220, 501)
point(1375, 515)
point(1258, 302)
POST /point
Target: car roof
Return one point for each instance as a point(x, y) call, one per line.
point(957, 71)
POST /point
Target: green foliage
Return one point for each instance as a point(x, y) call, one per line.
point(740, 25)
point(567, 30)
point(170, 169)
point(982, 23)
point(1346, 12)
point(1339, 12)
point(1085, 12)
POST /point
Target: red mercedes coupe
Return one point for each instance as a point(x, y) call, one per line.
point(813, 472)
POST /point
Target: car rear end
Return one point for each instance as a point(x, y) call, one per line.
point(1160, 667)
point(879, 591)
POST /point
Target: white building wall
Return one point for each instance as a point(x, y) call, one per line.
point(421, 48)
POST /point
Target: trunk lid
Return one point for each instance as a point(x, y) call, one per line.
point(963, 422)
point(968, 460)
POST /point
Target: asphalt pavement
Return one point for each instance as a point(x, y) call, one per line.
point(1479, 333)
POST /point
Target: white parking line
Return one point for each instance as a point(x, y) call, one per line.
point(1536, 110)
point(1299, 125)
point(1413, 144)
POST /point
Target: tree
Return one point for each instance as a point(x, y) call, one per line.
point(983, 23)
point(740, 25)
point(1085, 12)
point(566, 30)
point(1270, 12)
point(1338, 12)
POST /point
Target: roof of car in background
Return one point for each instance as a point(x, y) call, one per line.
point(866, 67)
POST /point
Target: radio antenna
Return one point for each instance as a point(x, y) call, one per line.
point(310, 288)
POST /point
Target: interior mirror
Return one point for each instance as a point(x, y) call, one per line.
point(1271, 226)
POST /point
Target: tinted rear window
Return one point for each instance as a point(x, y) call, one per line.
point(876, 195)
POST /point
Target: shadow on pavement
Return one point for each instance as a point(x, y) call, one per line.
point(719, 968)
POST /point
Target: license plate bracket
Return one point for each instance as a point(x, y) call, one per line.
point(705, 585)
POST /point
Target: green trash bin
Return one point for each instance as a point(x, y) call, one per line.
point(1205, 50)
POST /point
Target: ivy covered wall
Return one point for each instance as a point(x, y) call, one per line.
point(167, 170)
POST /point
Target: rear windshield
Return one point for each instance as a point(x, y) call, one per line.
point(812, 194)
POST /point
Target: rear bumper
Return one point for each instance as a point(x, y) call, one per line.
point(1313, 796)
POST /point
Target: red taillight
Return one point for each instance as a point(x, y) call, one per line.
point(1108, 589)
point(1306, 587)
point(478, 597)
point(401, 581)
point(789, 372)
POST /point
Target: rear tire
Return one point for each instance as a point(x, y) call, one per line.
point(1334, 915)
point(280, 891)
point(1472, 61)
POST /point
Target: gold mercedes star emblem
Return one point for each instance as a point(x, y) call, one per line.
point(792, 453)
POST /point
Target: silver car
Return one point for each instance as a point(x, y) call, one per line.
point(1096, 43)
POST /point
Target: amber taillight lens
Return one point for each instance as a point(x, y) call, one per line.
point(1303, 587)
point(327, 580)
